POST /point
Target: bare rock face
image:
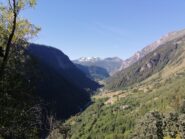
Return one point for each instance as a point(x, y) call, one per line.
point(151, 63)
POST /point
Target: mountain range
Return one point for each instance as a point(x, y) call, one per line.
point(111, 65)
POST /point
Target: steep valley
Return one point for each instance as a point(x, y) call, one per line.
point(148, 104)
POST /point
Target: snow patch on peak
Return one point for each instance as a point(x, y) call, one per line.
point(89, 59)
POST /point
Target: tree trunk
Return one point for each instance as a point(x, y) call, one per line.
point(9, 42)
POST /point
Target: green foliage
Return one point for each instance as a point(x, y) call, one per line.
point(21, 115)
point(14, 30)
point(24, 29)
point(157, 125)
point(21, 112)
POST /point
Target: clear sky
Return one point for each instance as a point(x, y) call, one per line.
point(105, 28)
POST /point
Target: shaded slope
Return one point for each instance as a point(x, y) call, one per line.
point(65, 89)
point(62, 98)
point(60, 63)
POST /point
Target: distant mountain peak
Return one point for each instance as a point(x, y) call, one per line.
point(111, 64)
point(89, 59)
point(113, 59)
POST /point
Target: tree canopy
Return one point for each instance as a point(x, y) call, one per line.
point(14, 30)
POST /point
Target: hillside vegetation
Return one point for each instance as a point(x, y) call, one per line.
point(119, 120)
point(21, 113)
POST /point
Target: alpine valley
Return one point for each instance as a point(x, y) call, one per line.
point(66, 78)
point(144, 99)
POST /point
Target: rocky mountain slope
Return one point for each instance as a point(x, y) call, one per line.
point(170, 48)
point(112, 65)
point(140, 54)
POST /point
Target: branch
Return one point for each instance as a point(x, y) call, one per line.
point(11, 7)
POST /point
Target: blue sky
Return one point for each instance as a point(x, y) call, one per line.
point(105, 28)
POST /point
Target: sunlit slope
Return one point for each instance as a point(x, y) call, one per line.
point(169, 56)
